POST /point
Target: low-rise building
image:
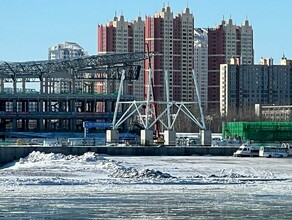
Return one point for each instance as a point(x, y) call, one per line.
point(273, 112)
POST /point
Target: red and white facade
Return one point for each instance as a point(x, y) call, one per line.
point(120, 36)
point(172, 37)
point(226, 41)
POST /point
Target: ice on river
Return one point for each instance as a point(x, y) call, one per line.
point(160, 187)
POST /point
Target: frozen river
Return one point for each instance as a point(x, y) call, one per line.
point(54, 186)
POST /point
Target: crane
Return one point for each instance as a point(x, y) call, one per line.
point(154, 105)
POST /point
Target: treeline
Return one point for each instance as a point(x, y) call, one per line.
point(213, 120)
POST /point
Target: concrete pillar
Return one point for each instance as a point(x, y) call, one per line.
point(108, 106)
point(14, 105)
point(14, 87)
point(146, 137)
point(206, 137)
point(73, 86)
point(112, 136)
point(41, 85)
point(91, 87)
point(49, 124)
point(26, 124)
point(169, 137)
point(72, 125)
point(23, 85)
point(1, 85)
point(14, 124)
point(46, 85)
point(40, 124)
point(72, 106)
point(27, 106)
point(258, 110)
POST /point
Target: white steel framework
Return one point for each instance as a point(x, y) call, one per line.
point(136, 107)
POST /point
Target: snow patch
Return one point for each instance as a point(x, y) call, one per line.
point(131, 172)
point(37, 156)
point(88, 162)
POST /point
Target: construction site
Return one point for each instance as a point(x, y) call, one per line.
point(65, 92)
point(91, 92)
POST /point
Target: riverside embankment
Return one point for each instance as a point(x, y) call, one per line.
point(11, 153)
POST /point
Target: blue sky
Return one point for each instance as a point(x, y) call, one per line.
point(29, 27)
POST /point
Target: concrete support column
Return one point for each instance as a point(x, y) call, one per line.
point(23, 85)
point(22, 124)
point(108, 106)
point(146, 137)
point(73, 86)
point(14, 87)
point(112, 136)
point(2, 106)
point(40, 124)
point(61, 123)
point(169, 137)
point(53, 86)
point(41, 85)
point(94, 106)
point(72, 106)
point(1, 85)
point(49, 124)
point(27, 107)
point(71, 124)
point(46, 86)
point(206, 137)
point(40, 105)
point(26, 123)
point(14, 124)
point(14, 105)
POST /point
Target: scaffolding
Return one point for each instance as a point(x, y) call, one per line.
point(258, 131)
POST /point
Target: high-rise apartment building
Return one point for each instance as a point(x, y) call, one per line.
point(65, 50)
point(244, 85)
point(201, 62)
point(173, 38)
point(226, 41)
point(121, 36)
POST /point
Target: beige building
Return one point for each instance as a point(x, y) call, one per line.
point(273, 112)
point(66, 50)
point(243, 86)
point(121, 36)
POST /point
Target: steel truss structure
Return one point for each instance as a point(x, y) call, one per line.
point(106, 66)
point(136, 107)
point(51, 110)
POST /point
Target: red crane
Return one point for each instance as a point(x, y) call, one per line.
point(154, 105)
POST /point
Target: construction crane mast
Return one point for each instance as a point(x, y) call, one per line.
point(153, 103)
